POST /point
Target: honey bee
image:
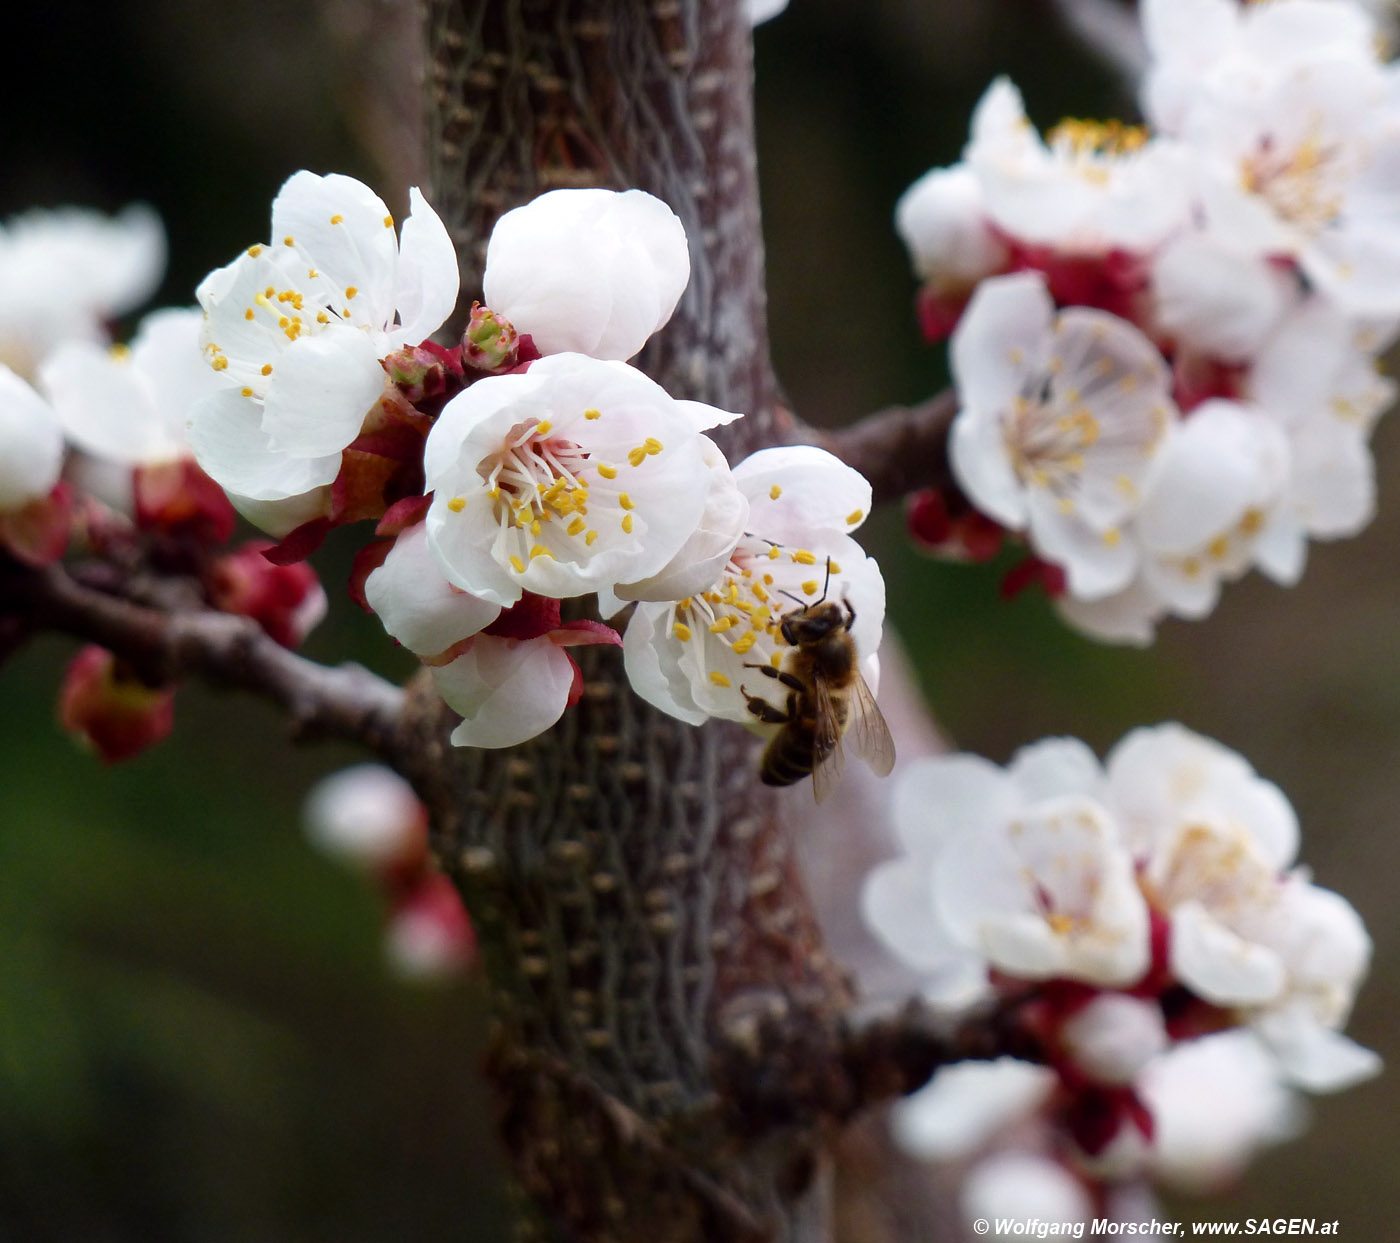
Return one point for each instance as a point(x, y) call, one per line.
point(827, 701)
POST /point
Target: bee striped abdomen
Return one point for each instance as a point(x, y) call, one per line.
point(795, 750)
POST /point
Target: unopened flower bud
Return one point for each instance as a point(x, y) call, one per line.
point(490, 343)
point(430, 935)
point(423, 371)
point(109, 708)
point(285, 600)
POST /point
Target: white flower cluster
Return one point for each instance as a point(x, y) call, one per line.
point(1166, 338)
point(1154, 899)
point(554, 471)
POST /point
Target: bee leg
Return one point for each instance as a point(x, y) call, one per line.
point(787, 679)
point(850, 614)
point(765, 711)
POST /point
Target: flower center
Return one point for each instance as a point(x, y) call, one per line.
point(1091, 147)
point(1300, 185)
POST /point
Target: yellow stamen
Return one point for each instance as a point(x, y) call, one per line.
point(248, 314)
point(803, 557)
point(220, 363)
point(337, 219)
point(719, 627)
point(255, 250)
point(809, 588)
point(457, 504)
point(266, 368)
point(625, 501)
point(576, 526)
point(681, 631)
point(744, 642)
point(775, 492)
point(517, 564)
point(351, 291)
point(287, 241)
point(590, 537)
point(608, 472)
point(591, 413)
point(719, 679)
point(627, 524)
point(854, 516)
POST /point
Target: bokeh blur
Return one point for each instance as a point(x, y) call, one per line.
point(199, 1036)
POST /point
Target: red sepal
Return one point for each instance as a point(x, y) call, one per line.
point(1033, 572)
point(367, 560)
point(118, 715)
point(403, 514)
point(179, 498)
point(584, 633)
point(576, 686)
point(299, 544)
point(530, 617)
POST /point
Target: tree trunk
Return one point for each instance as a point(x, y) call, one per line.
point(636, 898)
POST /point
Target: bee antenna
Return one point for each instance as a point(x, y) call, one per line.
point(797, 599)
point(826, 586)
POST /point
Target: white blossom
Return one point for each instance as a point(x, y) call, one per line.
point(1216, 845)
point(1088, 188)
point(576, 476)
point(299, 326)
point(1215, 1102)
point(943, 222)
point(690, 657)
point(65, 273)
point(587, 271)
point(131, 404)
point(1062, 418)
point(1032, 874)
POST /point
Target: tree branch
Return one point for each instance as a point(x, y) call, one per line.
point(900, 450)
point(347, 702)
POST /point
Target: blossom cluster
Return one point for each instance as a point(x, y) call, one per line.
point(1164, 337)
point(527, 466)
point(1147, 920)
point(94, 458)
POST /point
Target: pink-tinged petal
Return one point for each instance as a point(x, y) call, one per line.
point(346, 229)
point(703, 416)
point(1003, 336)
point(1218, 964)
point(585, 633)
point(228, 441)
point(321, 391)
point(426, 279)
point(31, 443)
point(507, 690)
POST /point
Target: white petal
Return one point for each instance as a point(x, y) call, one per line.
point(1054, 767)
point(1114, 1037)
point(31, 444)
point(1217, 964)
point(661, 682)
point(427, 277)
point(226, 435)
point(346, 230)
point(103, 404)
point(943, 221)
point(797, 489)
point(1129, 616)
point(937, 798)
point(967, 1104)
point(507, 690)
point(1096, 564)
point(896, 902)
point(1003, 336)
point(321, 391)
point(1215, 299)
point(1314, 1056)
point(417, 605)
point(982, 466)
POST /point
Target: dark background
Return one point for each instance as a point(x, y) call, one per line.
point(198, 1037)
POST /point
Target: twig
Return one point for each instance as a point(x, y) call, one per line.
point(347, 702)
point(900, 449)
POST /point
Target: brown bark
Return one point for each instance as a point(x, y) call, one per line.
point(637, 901)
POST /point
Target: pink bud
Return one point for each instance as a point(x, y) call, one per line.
point(179, 497)
point(285, 600)
point(109, 708)
point(490, 343)
point(430, 934)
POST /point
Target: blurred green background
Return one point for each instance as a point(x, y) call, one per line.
point(199, 1039)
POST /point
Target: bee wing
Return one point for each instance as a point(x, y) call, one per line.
point(866, 730)
point(826, 773)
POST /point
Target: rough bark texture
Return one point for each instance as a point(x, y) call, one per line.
point(637, 901)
